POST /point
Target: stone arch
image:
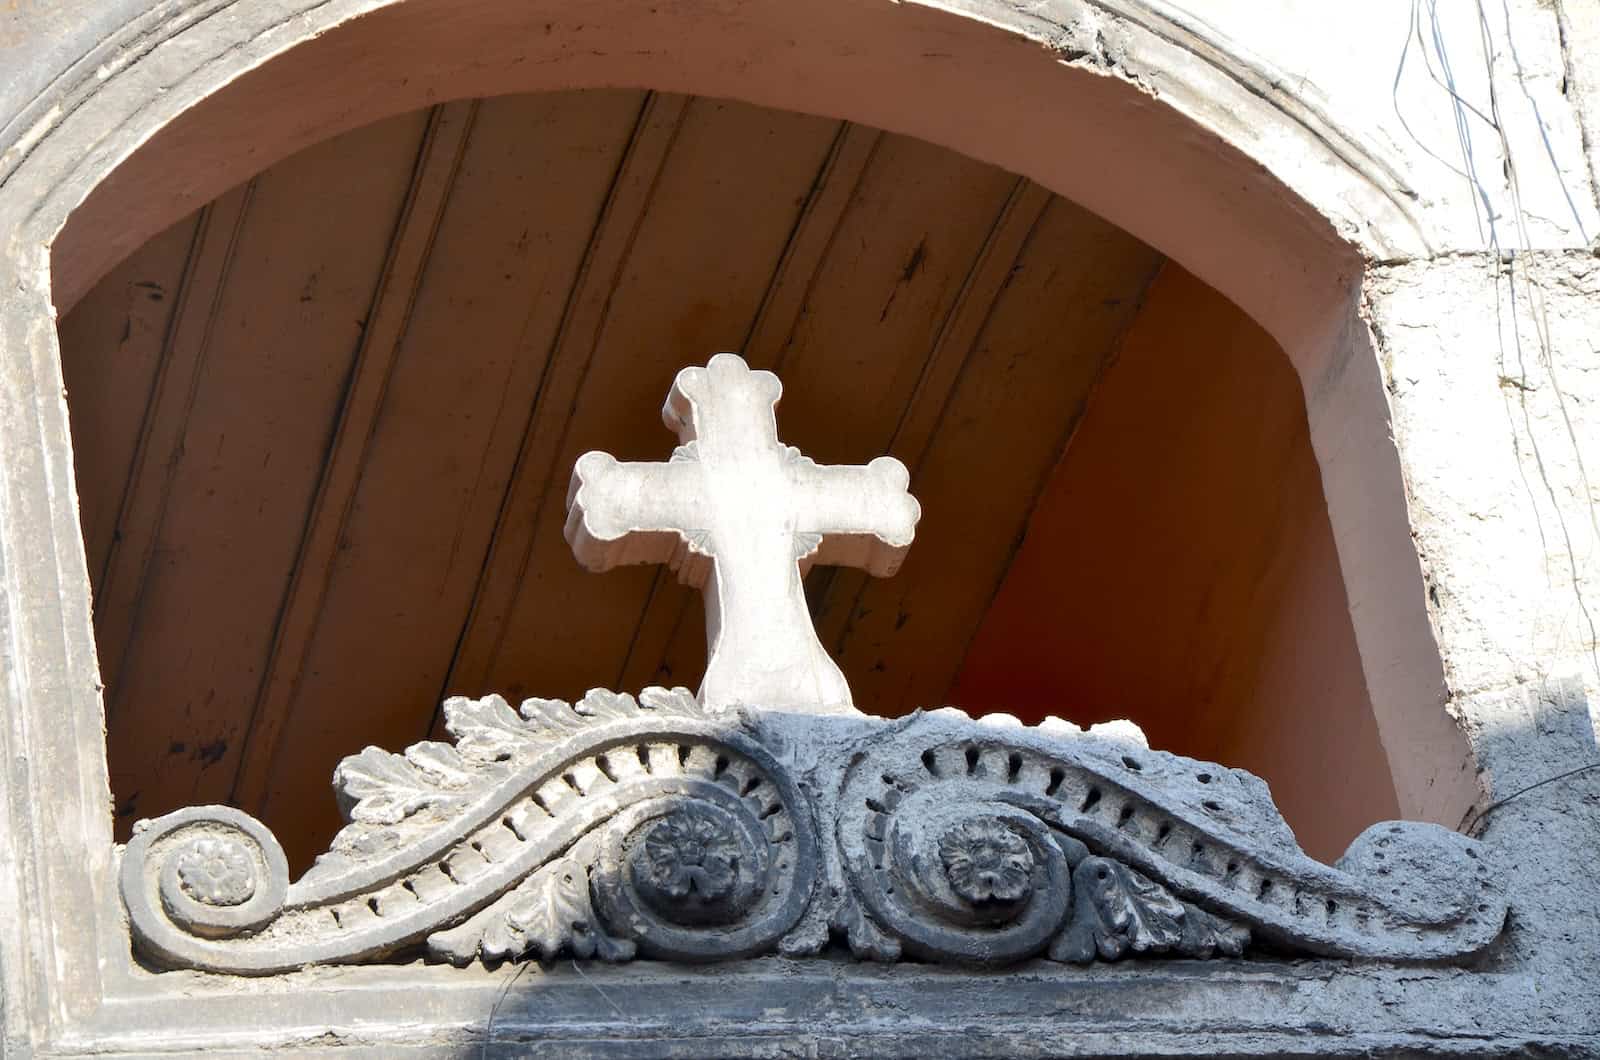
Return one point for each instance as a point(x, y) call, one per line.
point(1135, 115)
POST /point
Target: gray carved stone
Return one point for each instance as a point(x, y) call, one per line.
point(620, 827)
point(767, 815)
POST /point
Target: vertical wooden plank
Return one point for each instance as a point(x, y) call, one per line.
point(721, 214)
point(112, 345)
point(669, 605)
point(412, 540)
point(831, 590)
point(1017, 399)
point(165, 417)
point(241, 468)
point(891, 280)
point(918, 222)
point(1018, 219)
point(442, 146)
point(831, 196)
point(627, 201)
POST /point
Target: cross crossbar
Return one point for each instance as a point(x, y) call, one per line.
point(742, 516)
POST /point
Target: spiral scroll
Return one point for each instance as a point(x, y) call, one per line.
point(613, 790)
point(1162, 854)
point(621, 827)
point(956, 875)
point(205, 873)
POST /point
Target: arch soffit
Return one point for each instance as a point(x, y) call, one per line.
point(1198, 124)
point(1142, 115)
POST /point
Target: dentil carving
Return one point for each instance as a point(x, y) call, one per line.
point(765, 815)
point(617, 828)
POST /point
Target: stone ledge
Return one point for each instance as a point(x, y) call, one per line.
point(775, 1006)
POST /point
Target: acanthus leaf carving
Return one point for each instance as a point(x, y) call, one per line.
point(621, 826)
point(547, 914)
point(551, 716)
point(487, 729)
point(377, 787)
point(1198, 860)
point(677, 700)
point(1116, 910)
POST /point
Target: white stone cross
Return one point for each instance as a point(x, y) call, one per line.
point(742, 516)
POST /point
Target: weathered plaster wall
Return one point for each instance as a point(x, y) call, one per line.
point(41, 38)
point(1494, 371)
point(1438, 90)
point(1579, 25)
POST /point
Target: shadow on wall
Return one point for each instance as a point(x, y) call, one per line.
point(1180, 570)
point(1542, 737)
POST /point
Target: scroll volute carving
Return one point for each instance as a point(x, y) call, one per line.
point(618, 828)
point(765, 815)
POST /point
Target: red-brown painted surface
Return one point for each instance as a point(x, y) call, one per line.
point(1180, 570)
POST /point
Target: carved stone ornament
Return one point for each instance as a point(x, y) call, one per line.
point(685, 828)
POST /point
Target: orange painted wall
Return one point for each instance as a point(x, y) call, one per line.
point(1180, 570)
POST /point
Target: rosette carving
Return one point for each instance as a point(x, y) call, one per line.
point(204, 873)
point(216, 870)
point(954, 874)
point(696, 878)
point(990, 842)
point(686, 865)
point(617, 828)
point(986, 863)
point(606, 828)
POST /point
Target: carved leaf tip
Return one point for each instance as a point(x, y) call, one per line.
point(602, 704)
point(1116, 910)
point(486, 729)
point(549, 714)
point(443, 764)
point(376, 787)
point(675, 700)
point(867, 941)
point(548, 914)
